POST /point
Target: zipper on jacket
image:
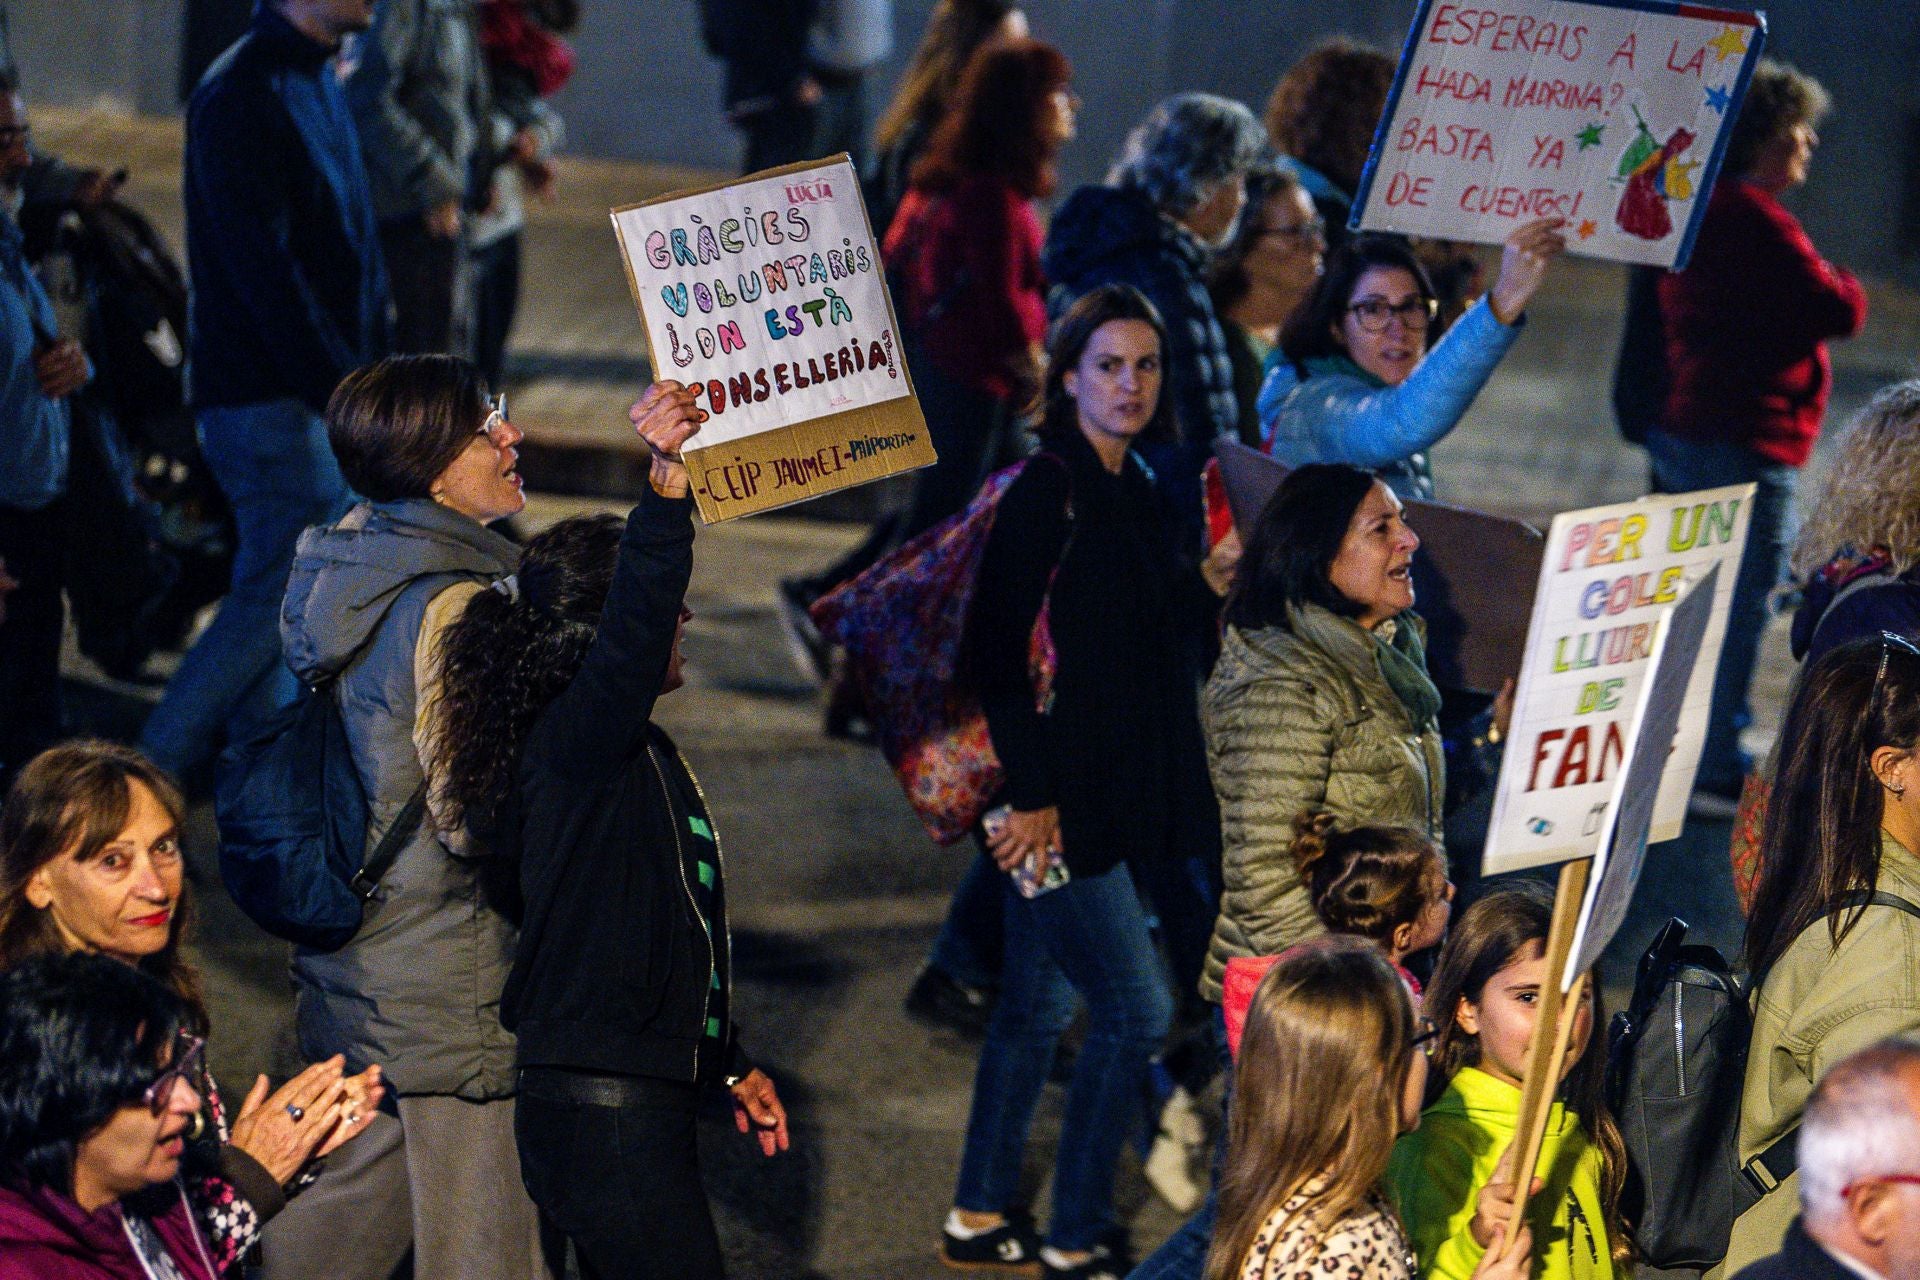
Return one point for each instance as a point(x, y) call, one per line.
point(1680, 1034)
point(680, 864)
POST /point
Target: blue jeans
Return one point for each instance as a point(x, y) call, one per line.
point(1184, 1255)
point(1088, 936)
point(273, 464)
point(1681, 466)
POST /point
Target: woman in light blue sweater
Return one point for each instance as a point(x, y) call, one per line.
point(1358, 377)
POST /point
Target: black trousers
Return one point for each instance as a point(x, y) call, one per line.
point(496, 296)
point(622, 1181)
point(431, 298)
point(32, 543)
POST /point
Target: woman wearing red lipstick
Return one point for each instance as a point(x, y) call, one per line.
point(1361, 379)
point(97, 1093)
point(90, 861)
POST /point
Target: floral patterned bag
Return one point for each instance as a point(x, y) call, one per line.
point(903, 624)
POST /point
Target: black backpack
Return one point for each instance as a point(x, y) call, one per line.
point(1676, 1069)
point(293, 826)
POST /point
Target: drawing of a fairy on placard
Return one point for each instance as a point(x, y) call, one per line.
point(1654, 173)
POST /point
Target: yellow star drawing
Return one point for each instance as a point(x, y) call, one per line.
point(1730, 41)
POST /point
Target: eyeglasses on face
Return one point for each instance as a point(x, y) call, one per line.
point(1374, 314)
point(189, 1056)
point(1303, 233)
point(496, 415)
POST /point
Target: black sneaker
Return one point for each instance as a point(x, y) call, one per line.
point(811, 653)
point(1012, 1248)
point(943, 1001)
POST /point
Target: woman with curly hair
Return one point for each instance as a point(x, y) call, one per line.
point(621, 983)
point(1322, 114)
point(1858, 558)
point(1859, 551)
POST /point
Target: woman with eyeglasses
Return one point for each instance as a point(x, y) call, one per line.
point(1833, 938)
point(1266, 271)
point(90, 861)
point(1361, 379)
point(97, 1099)
point(418, 988)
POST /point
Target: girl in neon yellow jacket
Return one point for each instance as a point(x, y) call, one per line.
point(1483, 997)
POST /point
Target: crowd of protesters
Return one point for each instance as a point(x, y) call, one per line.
point(1228, 773)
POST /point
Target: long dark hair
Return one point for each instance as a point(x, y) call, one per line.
point(998, 124)
point(76, 797)
point(1490, 935)
point(508, 655)
point(1293, 545)
point(1309, 331)
point(1068, 342)
point(1822, 833)
point(955, 29)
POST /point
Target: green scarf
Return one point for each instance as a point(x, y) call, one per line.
point(1403, 665)
point(1340, 366)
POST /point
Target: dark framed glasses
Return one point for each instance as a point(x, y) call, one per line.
point(1374, 314)
point(189, 1057)
point(1889, 641)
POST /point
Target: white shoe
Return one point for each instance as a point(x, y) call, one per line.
point(1176, 1149)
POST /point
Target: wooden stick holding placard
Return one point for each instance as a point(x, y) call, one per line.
point(1552, 1030)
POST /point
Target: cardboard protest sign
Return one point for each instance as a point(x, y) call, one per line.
point(767, 296)
point(1608, 577)
point(1473, 578)
point(1656, 722)
point(1612, 114)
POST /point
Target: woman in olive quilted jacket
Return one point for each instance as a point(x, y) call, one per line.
point(1320, 699)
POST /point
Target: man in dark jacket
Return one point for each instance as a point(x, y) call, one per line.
point(1859, 1153)
point(1174, 195)
point(770, 94)
point(288, 294)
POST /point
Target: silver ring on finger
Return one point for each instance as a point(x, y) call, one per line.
point(297, 1111)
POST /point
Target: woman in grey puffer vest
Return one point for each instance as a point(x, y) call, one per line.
point(418, 988)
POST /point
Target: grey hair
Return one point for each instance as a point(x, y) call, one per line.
point(1870, 497)
point(1860, 1123)
point(1186, 147)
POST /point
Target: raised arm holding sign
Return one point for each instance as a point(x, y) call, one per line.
point(1611, 114)
point(766, 298)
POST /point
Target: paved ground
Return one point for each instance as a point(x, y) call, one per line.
point(837, 892)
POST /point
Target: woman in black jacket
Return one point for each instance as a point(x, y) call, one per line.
point(1106, 773)
point(621, 983)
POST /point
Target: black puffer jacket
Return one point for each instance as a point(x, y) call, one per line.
point(1104, 235)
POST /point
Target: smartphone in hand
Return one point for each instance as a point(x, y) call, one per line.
point(1041, 873)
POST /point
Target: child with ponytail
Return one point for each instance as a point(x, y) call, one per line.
point(1384, 883)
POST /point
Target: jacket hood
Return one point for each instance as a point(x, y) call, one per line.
point(1099, 224)
point(346, 576)
point(1492, 1105)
